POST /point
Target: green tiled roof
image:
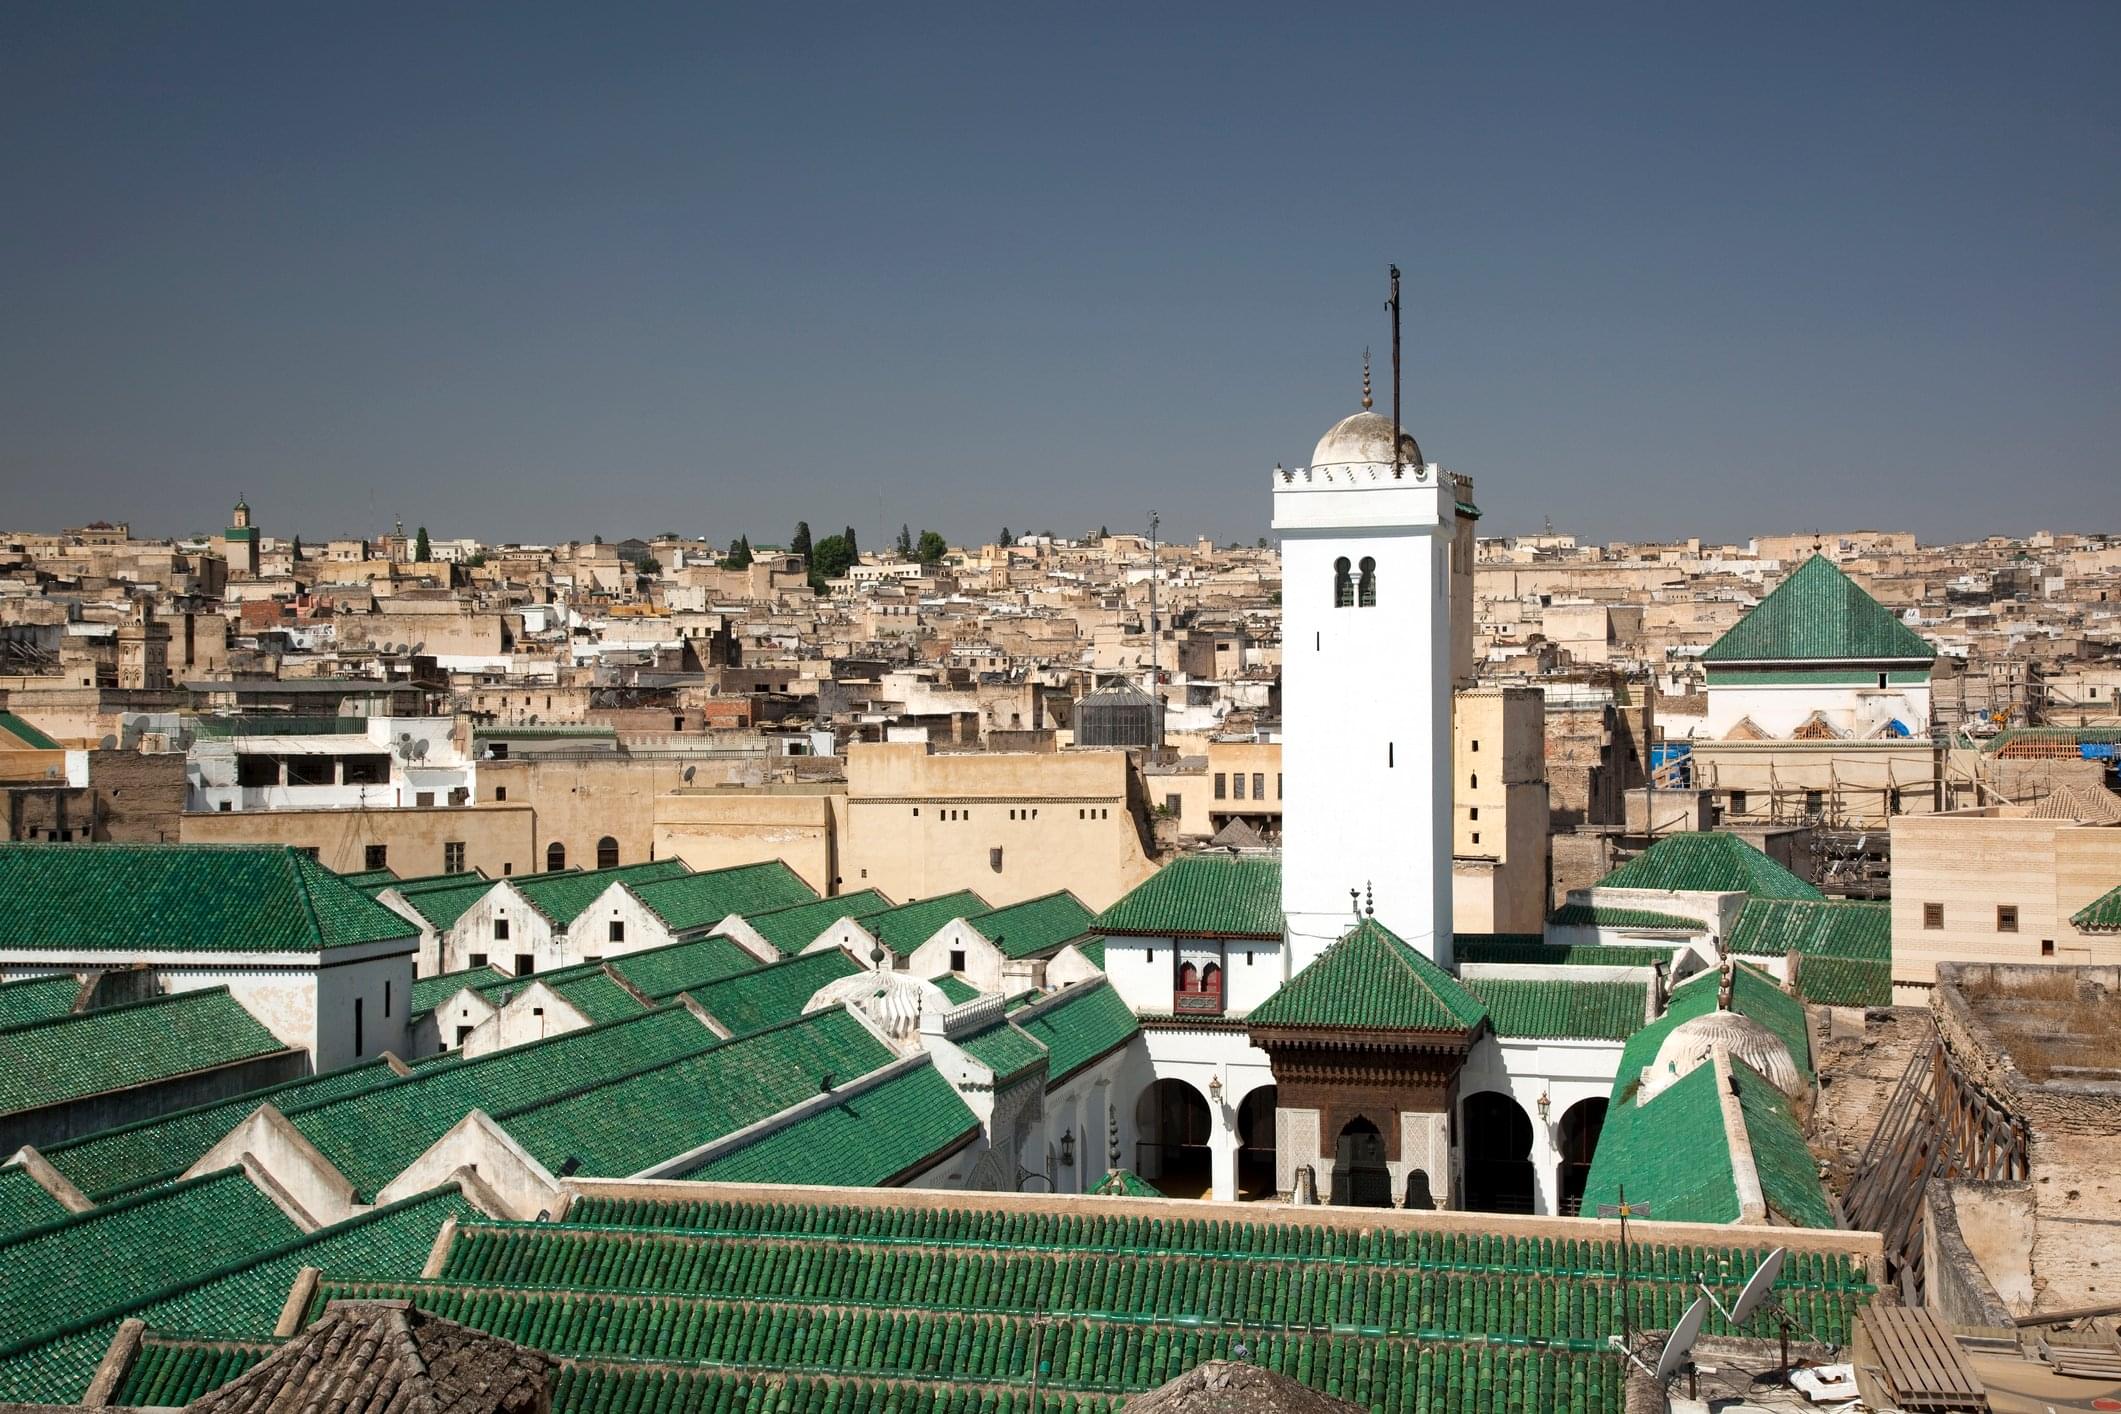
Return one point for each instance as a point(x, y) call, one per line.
point(591, 992)
point(181, 898)
point(2052, 736)
point(1510, 949)
point(864, 1141)
point(172, 1371)
point(1035, 926)
point(368, 880)
point(1845, 981)
point(1671, 1153)
point(1233, 895)
point(1789, 1175)
point(68, 1057)
point(1754, 993)
point(633, 1121)
point(88, 1261)
point(1080, 1025)
point(562, 897)
point(1560, 1009)
point(1819, 614)
point(24, 1203)
point(1708, 863)
point(906, 927)
point(955, 988)
point(37, 998)
point(1373, 980)
point(704, 899)
point(1589, 915)
point(443, 902)
point(1126, 1183)
point(1832, 928)
point(2101, 915)
point(796, 927)
point(1003, 1049)
point(28, 735)
point(418, 881)
point(1093, 950)
point(430, 992)
point(667, 971)
point(773, 993)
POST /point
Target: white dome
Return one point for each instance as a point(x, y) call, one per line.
point(1691, 1042)
point(1365, 439)
point(893, 1000)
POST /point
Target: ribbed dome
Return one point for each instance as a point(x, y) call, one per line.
point(893, 1000)
point(1690, 1043)
point(1364, 439)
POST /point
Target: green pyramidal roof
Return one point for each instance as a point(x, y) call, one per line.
point(1819, 615)
point(1708, 863)
point(1234, 895)
point(1371, 979)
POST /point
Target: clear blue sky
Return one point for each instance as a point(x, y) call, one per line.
point(529, 271)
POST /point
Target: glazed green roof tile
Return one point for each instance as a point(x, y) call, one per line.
point(666, 971)
point(2101, 915)
point(1588, 915)
point(1757, 995)
point(372, 1136)
point(1093, 950)
point(242, 1297)
point(368, 880)
point(1235, 895)
point(906, 927)
point(420, 881)
point(630, 1122)
point(1082, 1024)
point(1818, 614)
point(1789, 1175)
point(442, 903)
point(37, 998)
point(28, 735)
point(1003, 1049)
point(555, 731)
point(85, 898)
point(114, 1161)
point(955, 989)
point(562, 897)
point(866, 1140)
point(1708, 863)
point(430, 992)
point(68, 1057)
point(591, 991)
point(24, 1203)
point(90, 1261)
point(171, 1371)
point(1671, 1153)
point(796, 927)
point(705, 899)
point(1371, 979)
point(1845, 981)
point(1035, 926)
point(1126, 1183)
point(1510, 949)
point(1561, 1010)
point(1831, 928)
point(773, 993)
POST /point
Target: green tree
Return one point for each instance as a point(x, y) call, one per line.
point(1103, 533)
point(420, 548)
point(829, 559)
point(298, 547)
point(853, 547)
point(1007, 539)
point(1262, 543)
point(931, 548)
point(905, 542)
point(648, 564)
point(739, 556)
point(799, 543)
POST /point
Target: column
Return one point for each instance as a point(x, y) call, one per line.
point(1222, 1153)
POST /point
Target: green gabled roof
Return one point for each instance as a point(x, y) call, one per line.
point(28, 735)
point(1528, 951)
point(1708, 863)
point(1003, 1049)
point(1789, 1175)
point(1125, 1183)
point(1223, 895)
point(704, 899)
point(1592, 915)
point(666, 971)
point(37, 998)
point(443, 903)
point(906, 927)
point(1372, 980)
point(1034, 926)
point(562, 897)
point(369, 881)
point(864, 1141)
point(955, 989)
point(1093, 951)
point(1828, 928)
point(1756, 994)
point(87, 1261)
point(2101, 915)
point(1082, 1024)
point(590, 991)
point(1671, 1153)
point(1819, 615)
point(170, 1371)
point(24, 1203)
point(1558, 1009)
point(630, 1122)
point(773, 993)
point(797, 926)
point(430, 992)
point(81, 898)
point(416, 881)
point(1844, 981)
point(69, 1057)
point(149, 1151)
point(242, 1296)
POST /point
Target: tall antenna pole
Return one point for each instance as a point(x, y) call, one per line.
point(1393, 304)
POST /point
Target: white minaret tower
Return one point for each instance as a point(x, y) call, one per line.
point(1365, 687)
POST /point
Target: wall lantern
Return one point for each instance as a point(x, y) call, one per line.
point(1546, 1105)
point(1215, 1089)
point(1068, 1149)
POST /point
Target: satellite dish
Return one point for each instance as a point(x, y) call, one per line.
point(1758, 1288)
point(1680, 1348)
point(109, 743)
point(419, 751)
point(417, 646)
point(690, 772)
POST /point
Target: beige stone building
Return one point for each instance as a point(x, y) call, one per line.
point(1501, 871)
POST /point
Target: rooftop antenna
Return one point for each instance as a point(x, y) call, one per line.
point(1393, 305)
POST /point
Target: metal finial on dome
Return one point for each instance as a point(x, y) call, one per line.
point(1366, 380)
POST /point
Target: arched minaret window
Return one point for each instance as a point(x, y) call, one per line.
point(1366, 588)
point(1343, 585)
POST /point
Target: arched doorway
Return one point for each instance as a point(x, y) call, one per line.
point(1172, 1122)
point(1578, 1141)
point(1360, 1178)
point(607, 853)
point(1498, 1154)
point(1255, 1144)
